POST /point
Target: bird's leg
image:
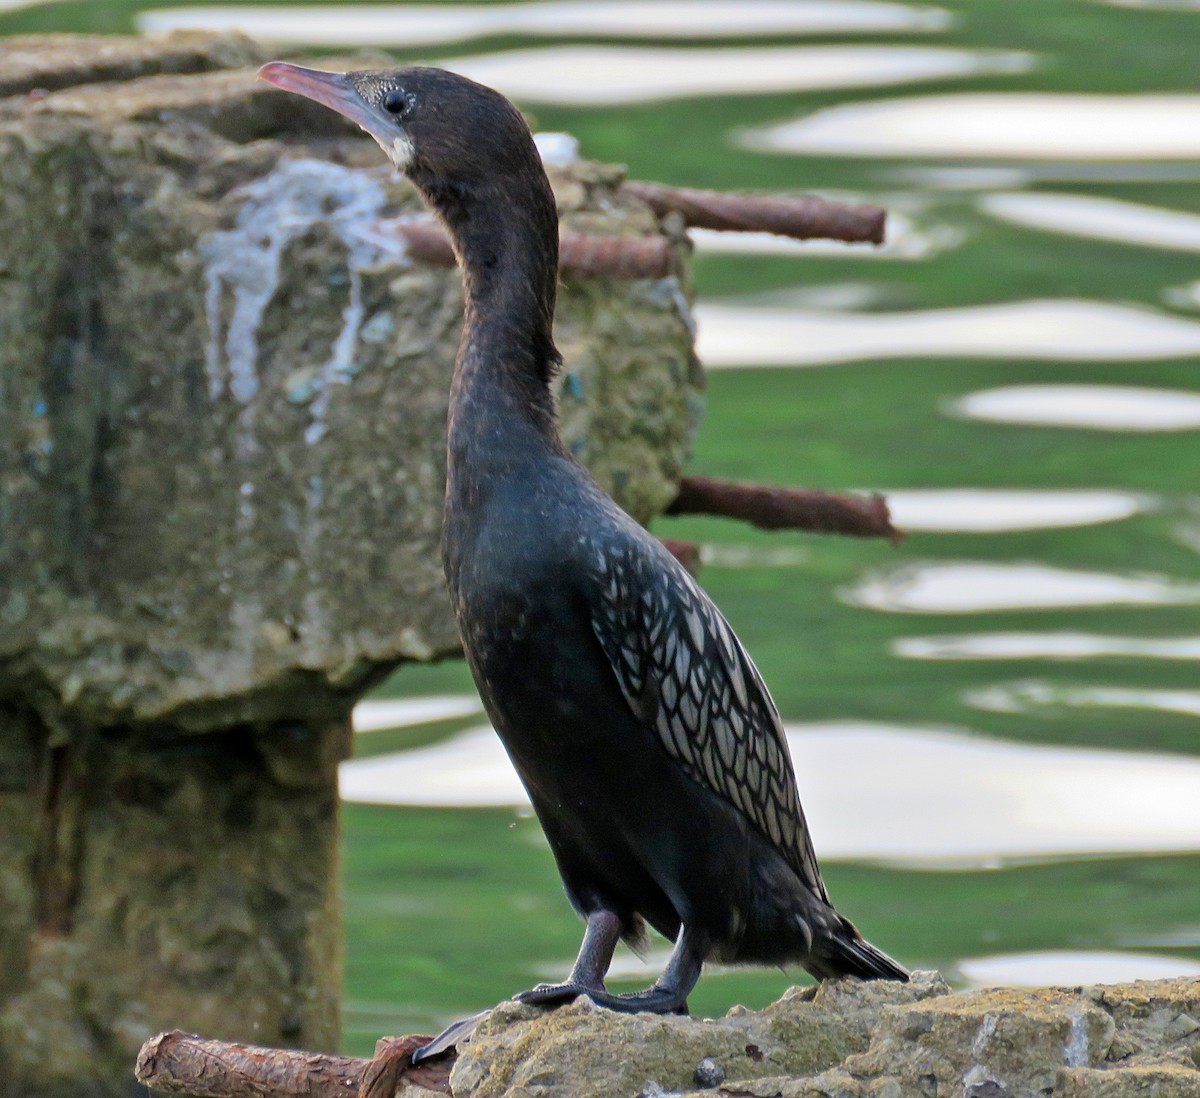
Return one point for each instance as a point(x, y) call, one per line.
point(587, 978)
point(667, 995)
point(587, 974)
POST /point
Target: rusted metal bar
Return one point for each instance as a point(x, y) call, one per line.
point(799, 216)
point(581, 255)
point(584, 255)
point(182, 1063)
point(773, 508)
point(425, 240)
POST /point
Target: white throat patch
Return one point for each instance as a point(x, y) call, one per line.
point(399, 152)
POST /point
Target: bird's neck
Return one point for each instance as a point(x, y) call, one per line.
point(505, 233)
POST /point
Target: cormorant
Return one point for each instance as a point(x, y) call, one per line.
point(649, 745)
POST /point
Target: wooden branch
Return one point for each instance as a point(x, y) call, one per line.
point(181, 1063)
point(801, 217)
point(772, 508)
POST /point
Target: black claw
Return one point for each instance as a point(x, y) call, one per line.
point(548, 994)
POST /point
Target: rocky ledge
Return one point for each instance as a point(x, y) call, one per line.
point(849, 1039)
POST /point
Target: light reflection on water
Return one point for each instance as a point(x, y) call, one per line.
point(1044, 646)
point(1007, 800)
point(1090, 407)
point(1156, 5)
point(992, 510)
point(1057, 968)
point(379, 716)
point(597, 75)
point(1098, 218)
point(1070, 968)
point(1186, 296)
point(425, 24)
point(1001, 125)
point(969, 587)
point(733, 335)
point(1025, 697)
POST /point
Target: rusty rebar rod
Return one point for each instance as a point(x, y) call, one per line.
point(580, 255)
point(773, 508)
point(182, 1063)
point(799, 216)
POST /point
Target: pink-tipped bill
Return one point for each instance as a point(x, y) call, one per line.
point(331, 89)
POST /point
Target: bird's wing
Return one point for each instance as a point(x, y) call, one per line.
point(688, 679)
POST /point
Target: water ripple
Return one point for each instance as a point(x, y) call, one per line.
point(1090, 407)
point(1044, 646)
point(1001, 125)
point(969, 587)
point(1007, 799)
point(596, 75)
point(732, 335)
point(1072, 968)
point(1031, 695)
point(1098, 218)
point(379, 716)
point(424, 24)
point(992, 510)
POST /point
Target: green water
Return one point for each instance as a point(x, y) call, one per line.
point(449, 910)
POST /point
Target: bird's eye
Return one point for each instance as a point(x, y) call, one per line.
point(396, 102)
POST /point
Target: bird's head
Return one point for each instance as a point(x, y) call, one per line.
point(435, 126)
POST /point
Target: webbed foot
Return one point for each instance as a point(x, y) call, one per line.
point(655, 999)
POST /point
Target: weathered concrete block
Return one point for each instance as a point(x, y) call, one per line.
point(850, 1039)
point(583, 1050)
point(988, 1043)
point(225, 390)
point(1145, 1081)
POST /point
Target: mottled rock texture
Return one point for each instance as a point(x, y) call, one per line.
point(223, 389)
point(856, 1040)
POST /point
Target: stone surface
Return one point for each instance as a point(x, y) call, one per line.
point(850, 1039)
point(585, 1051)
point(1140, 1081)
point(223, 389)
point(39, 63)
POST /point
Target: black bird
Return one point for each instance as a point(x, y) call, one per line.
point(650, 748)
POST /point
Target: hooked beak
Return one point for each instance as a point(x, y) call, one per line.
point(331, 89)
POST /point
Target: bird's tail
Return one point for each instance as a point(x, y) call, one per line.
point(845, 952)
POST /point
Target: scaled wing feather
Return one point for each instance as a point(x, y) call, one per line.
point(689, 680)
